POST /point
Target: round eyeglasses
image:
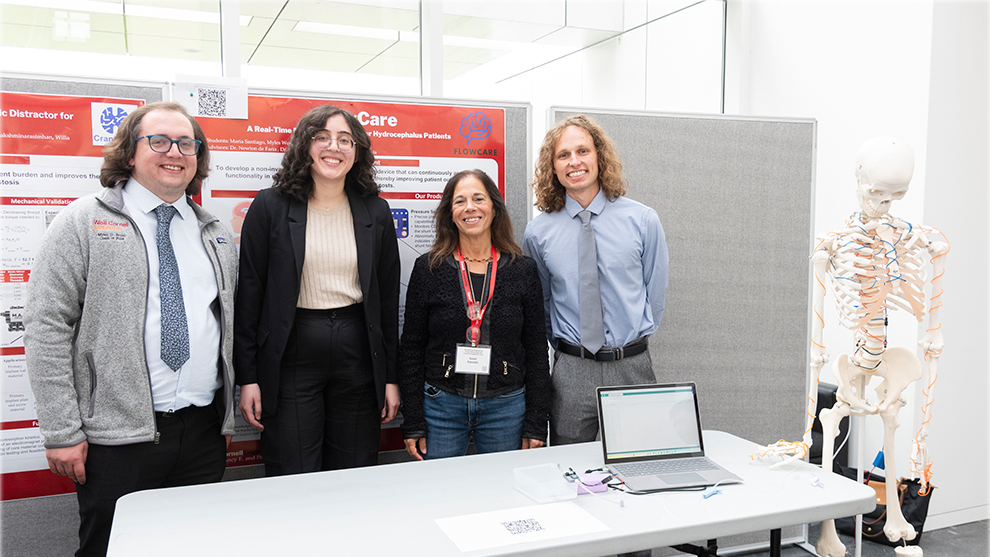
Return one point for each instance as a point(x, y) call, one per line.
point(163, 144)
point(322, 141)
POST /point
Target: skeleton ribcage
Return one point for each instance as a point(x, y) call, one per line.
point(874, 272)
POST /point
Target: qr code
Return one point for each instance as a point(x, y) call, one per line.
point(213, 102)
point(525, 526)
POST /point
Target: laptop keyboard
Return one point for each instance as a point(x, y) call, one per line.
point(655, 467)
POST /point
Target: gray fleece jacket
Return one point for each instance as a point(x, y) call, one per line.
point(84, 324)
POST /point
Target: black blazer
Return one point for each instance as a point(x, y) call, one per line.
point(273, 244)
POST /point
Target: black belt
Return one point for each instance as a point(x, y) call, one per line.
point(182, 411)
point(346, 312)
point(605, 354)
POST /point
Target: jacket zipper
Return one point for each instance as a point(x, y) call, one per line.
point(216, 254)
point(505, 367)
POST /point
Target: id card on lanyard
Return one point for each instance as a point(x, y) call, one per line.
point(472, 357)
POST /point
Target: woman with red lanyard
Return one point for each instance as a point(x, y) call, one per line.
point(473, 358)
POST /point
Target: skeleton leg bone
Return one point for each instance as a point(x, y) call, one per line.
point(900, 368)
point(829, 544)
point(897, 526)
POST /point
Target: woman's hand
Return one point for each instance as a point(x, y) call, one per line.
point(250, 405)
point(416, 447)
point(532, 443)
point(392, 402)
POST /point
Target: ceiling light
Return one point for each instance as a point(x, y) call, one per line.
point(347, 30)
point(118, 8)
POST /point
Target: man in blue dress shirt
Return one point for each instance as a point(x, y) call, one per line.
point(579, 170)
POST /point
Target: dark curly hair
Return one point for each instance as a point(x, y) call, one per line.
point(448, 235)
point(294, 178)
point(118, 154)
point(550, 194)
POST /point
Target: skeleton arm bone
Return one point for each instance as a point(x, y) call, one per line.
point(819, 355)
point(932, 345)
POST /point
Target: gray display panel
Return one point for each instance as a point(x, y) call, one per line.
point(735, 199)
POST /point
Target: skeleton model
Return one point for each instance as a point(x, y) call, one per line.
point(874, 266)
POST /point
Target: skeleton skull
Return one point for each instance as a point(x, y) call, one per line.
point(884, 166)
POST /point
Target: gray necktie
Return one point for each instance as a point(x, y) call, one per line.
point(175, 330)
point(592, 329)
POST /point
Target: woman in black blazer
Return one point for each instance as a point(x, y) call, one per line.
point(316, 322)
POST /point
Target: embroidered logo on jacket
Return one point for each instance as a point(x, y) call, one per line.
point(110, 230)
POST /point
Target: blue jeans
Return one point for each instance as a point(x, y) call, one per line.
point(496, 423)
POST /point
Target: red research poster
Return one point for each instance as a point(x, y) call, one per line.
point(51, 149)
point(418, 147)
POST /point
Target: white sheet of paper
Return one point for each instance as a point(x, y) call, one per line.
point(518, 525)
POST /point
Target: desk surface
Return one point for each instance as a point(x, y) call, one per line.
point(391, 509)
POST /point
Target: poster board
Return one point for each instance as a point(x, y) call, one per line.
point(50, 154)
point(46, 165)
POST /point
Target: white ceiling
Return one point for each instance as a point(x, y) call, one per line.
point(377, 37)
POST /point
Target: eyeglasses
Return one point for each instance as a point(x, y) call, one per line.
point(163, 144)
point(322, 141)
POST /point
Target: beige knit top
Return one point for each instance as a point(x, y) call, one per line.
point(330, 272)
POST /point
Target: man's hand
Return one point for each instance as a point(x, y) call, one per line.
point(69, 461)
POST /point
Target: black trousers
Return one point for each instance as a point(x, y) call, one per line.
point(190, 450)
point(327, 415)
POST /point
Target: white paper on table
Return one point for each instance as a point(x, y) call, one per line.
point(521, 524)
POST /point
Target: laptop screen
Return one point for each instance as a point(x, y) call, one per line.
point(649, 422)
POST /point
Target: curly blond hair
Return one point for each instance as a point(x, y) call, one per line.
point(550, 194)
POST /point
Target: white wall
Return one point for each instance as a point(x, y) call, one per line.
point(957, 201)
point(864, 69)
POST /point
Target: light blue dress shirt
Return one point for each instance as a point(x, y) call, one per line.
point(632, 268)
point(195, 383)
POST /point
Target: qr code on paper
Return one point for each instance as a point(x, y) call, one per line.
point(525, 526)
point(212, 102)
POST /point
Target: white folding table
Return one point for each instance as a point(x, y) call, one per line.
point(392, 509)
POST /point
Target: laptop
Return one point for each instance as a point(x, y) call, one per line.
point(651, 437)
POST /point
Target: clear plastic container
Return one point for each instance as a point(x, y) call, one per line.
point(544, 483)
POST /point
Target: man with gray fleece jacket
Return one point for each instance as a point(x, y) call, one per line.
point(129, 321)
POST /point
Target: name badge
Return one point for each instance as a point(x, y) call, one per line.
point(473, 359)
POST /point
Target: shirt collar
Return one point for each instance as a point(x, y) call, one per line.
point(148, 202)
point(596, 206)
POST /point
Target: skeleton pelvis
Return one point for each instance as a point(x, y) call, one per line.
point(899, 367)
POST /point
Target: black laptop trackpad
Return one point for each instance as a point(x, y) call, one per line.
point(682, 478)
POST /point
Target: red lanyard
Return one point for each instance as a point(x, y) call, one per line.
point(476, 314)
